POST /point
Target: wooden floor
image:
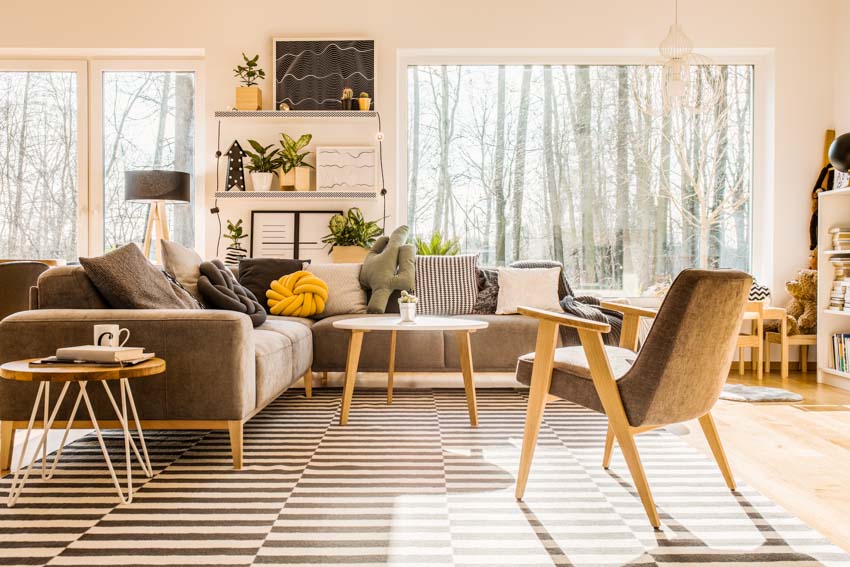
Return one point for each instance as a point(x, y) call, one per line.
point(797, 454)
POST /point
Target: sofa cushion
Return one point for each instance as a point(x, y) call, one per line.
point(257, 274)
point(414, 351)
point(184, 264)
point(345, 295)
point(529, 287)
point(273, 355)
point(297, 332)
point(446, 285)
point(129, 281)
point(68, 287)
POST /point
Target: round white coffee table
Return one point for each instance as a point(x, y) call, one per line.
point(360, 325)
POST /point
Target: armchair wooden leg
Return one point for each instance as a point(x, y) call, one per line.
point(7, 444)
point(609, 448)
point(308, 383)
point(541, 379)
point(235, 428)
point(710, 431)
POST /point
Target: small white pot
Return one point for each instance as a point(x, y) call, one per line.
point(287, 180)
point(303, 178)
point(407, 311)
point(262, 181)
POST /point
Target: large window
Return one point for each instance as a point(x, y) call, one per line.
point(577, 163)
point(68, 131)
point(38, 164)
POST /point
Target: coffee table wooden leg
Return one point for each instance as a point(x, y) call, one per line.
point(351, 363)
point(463, 340)
point(391, 370)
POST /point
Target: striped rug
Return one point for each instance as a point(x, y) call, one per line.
point(407, 485)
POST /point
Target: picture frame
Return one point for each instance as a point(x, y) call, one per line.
point(290, 234)
point(346, 168)
point(333, 64)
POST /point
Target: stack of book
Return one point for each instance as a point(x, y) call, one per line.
point(98, 355)
point(841, 352)
point(839, 300)
point(840, 237)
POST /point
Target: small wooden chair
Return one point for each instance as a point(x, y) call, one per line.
point(753, 312)
point(677, 375)
point(785, 341)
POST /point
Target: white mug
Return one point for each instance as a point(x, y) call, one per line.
point(110, 335)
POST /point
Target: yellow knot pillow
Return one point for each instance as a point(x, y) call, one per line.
point(300, 294)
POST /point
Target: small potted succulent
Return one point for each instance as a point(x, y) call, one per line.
point(347, 95)
point(351, 236)
point(407, 307)
point(249, 96)
point(235, 252)
point(364, 101)
point(296, 172)
point(264, 163)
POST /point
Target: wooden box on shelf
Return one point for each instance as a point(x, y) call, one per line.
point(249, 98)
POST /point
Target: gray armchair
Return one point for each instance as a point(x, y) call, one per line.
point(676, 376)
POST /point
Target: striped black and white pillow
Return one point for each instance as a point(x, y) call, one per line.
point(446, 285)
point(759, 292)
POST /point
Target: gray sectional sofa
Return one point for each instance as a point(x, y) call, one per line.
point(221, 371)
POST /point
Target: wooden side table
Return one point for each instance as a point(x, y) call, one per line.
point(81, 375)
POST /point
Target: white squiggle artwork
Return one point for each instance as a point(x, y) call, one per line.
point(345, 168)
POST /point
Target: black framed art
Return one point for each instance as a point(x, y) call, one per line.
point(290, 234)
point(311, 74)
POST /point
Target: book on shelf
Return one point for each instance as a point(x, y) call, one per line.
point(841, 352)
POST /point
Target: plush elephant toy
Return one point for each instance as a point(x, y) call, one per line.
point(388, 267)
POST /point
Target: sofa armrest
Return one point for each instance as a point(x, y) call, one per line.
point(209, 355)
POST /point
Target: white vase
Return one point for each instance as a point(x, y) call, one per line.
point(262, 181)
point(287, 180)
point(303, 178)
point(407, 311)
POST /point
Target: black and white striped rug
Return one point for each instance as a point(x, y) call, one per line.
point(407, 485)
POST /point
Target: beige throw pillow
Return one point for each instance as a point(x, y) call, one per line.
point(529, 287)
point(184, 264)
point(344, 292)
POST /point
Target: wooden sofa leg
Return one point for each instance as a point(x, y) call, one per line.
point(308, 383)
point(7, 444)
point(235, 428)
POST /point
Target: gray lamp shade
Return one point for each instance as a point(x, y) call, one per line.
point(157, 185)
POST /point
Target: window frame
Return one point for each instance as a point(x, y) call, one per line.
point(81, 69)
point(762, 61)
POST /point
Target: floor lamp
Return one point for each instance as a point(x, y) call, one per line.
point(156, 187)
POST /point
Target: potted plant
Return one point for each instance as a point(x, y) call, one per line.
point(235, 252)
point(249, 96)
point(407, 307)
point(364, 101)
point(264, 162)
point(293, 164)
point(351, 236)
point(347, 95)
point(436, 246)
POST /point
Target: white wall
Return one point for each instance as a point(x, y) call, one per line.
point(799, 33)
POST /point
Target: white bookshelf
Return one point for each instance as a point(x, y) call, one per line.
point(833, 210)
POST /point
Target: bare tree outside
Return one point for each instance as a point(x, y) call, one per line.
point(566, 163)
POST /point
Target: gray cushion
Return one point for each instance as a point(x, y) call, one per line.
point(220, 289)
point(127, 280)
point(257, 274)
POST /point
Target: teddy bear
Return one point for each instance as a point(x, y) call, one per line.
point(802, 310)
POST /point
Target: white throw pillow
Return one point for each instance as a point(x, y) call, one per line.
point(529, 287)
point(344, 292)
point(184, 264)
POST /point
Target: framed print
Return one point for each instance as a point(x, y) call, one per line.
point(345, 168)
point(311, 74)
point(290, 234)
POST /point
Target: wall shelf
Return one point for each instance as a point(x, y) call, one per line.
point(295, 114)
point(298, 195)
point(836, 312)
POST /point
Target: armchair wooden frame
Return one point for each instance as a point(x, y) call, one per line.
point(619, 428)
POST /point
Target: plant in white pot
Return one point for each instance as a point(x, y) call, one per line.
point(351, 236)
point(407, 307)
point(293, 160)
point(264, 163)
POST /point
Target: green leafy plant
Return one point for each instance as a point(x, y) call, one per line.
point(436, 246)
point(407, 298)
point(249, 73)
point(291, 155)
point(263, 160)
point(351, 229)
point(234, 232)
